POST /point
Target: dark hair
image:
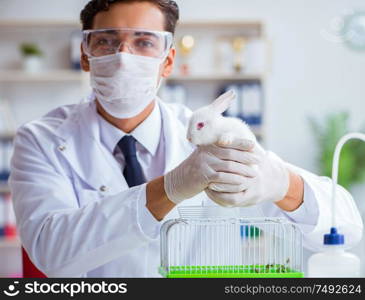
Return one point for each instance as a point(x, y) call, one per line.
point(169, 8)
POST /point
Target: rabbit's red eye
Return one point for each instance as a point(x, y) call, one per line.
point(200, 125)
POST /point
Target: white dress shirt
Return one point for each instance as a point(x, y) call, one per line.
point(150, 145)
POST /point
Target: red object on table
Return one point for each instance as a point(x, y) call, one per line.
point(29, 270)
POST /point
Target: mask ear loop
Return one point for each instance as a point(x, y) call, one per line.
point(162, 61)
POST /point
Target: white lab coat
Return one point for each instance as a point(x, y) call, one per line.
point(77, 217)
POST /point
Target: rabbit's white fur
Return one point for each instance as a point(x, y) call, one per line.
point(217, 128)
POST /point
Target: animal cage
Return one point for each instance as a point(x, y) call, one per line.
point(230, 247)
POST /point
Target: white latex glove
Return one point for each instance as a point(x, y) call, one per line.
point(230, 165)
point(270, 185)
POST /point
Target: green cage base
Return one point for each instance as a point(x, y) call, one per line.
point(251, 271)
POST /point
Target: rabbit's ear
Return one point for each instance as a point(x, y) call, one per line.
point(224, 101)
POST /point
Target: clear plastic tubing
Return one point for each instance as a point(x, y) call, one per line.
point(336, 159)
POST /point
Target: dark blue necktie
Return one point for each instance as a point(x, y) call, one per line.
point(133, 171)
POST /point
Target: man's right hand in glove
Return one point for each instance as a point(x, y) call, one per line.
point(212, 164)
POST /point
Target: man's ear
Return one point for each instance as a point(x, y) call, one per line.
point(85, 66)
point(169, 63)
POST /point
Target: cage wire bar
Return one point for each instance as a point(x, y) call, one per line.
point(230, 247)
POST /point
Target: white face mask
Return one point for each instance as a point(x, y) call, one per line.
point(123, 83)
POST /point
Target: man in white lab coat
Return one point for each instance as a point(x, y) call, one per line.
point(93, 182)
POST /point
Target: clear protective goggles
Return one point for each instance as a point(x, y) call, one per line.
point(101, 42)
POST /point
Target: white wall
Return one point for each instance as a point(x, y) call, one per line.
point(41, 9)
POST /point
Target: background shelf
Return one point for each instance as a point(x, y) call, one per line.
point(69, 75)
point(28, 24)
point(217, 77)
point(46, 76)
point(7, 135)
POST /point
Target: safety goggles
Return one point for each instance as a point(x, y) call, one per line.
point(101, 42)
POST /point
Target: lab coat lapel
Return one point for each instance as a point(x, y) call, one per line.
point(176, 147)
point(85, 154)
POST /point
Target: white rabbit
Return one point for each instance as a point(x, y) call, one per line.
point(208, 126)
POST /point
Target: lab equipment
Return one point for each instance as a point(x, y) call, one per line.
point(206, 245)
point(101, 42)
point(334, 261)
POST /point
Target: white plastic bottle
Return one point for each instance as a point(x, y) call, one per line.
point(334, 261)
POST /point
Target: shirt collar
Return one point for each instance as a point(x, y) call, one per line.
point(147, 133)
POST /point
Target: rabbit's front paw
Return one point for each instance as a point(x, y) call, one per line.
point(226, 139)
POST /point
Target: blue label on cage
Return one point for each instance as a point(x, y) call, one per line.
point(248, 231)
